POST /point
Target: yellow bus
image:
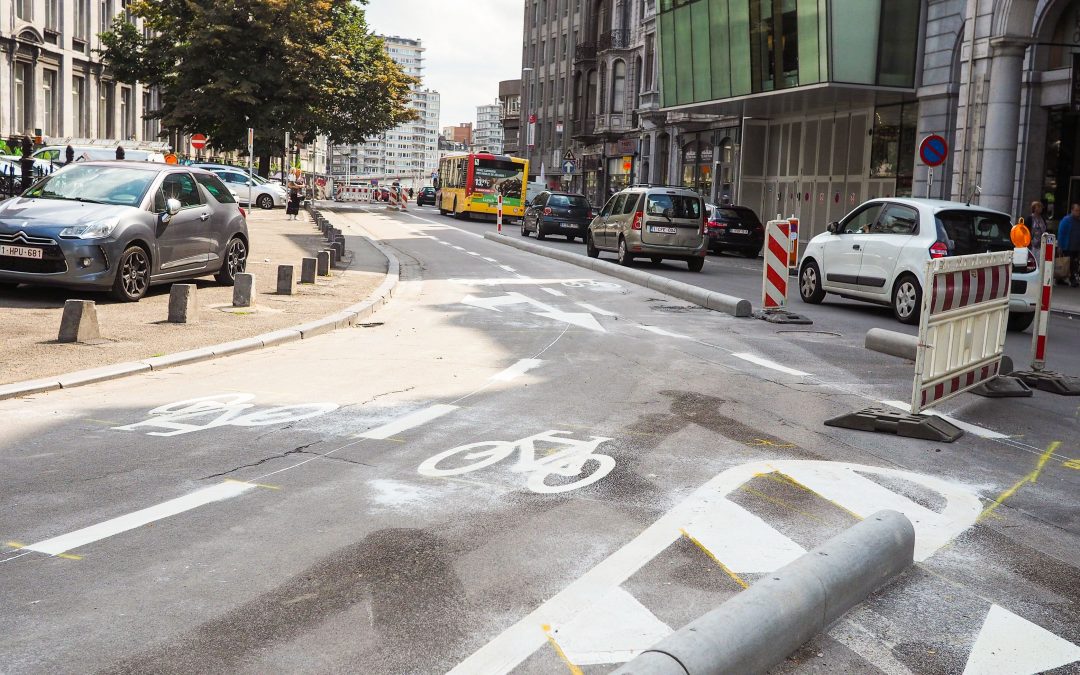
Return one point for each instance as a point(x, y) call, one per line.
point(470, 184)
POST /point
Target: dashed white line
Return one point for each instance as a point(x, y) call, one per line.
point(982, 432)
point(772, 365)
point(552, 291)
point(507, 268)
point(665, 333)
point(489, 259)
point(460, 248)
point(472, 253)
point(518, 369)
point(406, 422)
point(596, 310)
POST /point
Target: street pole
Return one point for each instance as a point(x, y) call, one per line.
point(251, 164)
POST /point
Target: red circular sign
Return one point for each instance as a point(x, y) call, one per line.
point(933, 150)
point(198, 141)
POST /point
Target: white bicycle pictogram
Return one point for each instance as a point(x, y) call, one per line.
point(573, 460)
point(222, 410)
point(592, 284)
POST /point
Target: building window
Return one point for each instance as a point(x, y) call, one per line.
point(78, 106)
point(52, 15)
point(892, 151)
point(24, 9)
point(105, 124)
point(81, 19)
point(149, 126)
point(48, 94)
point(23, 120)
point(105, 17)
point(127, 114)
point(618, 87)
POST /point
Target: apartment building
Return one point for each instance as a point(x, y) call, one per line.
point(488, 133)
point(510, 115)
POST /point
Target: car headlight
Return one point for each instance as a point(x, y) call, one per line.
point(99, 229)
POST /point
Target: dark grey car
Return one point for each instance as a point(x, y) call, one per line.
point(122, 227)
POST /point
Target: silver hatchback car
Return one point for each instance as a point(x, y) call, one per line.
point(122, 227)
point(652, 222)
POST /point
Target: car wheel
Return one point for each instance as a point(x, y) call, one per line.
point(1019, 323)
point(132, 275)
point(656, 260)
point(234, 263)
point(590, 247)
point(810, 289)
point(907, 299)
point(624, 259)
point(524, 230)
point(718, 251)
point(695, 264)
point(752, 252)
point(540, 236)
point(265, 202)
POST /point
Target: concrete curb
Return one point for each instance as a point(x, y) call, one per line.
point(349, 316)
point(892, 343)
point(699, 296)
point(760, 627)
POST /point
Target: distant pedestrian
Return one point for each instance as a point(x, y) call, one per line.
point(1037, 225)
point(119, 152)
point(296, 194)
point(410, 193)
point(1068, 235)
point(69, 155)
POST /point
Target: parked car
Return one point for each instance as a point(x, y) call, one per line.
point(122, 227)
point(879, 251)
point(563, 213)
point(734, 228)
point(658, 223)
point(425, 196)
point(264, 194)
point(57, 154)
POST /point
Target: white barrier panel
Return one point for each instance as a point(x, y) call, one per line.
point(965, 312)
point(354, 193)
point(774, 273)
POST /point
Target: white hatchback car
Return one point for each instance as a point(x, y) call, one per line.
point(878, 253)
point(265, 194)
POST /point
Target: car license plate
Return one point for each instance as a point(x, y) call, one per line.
point(567, 225)
point(655, 229)
point(22, 252)
point(739, 231)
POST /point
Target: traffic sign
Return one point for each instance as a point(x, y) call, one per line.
point(569, 166)
point(569, 156)
point(198, 141)
point(933, 150)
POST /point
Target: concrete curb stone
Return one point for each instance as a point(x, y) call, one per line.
point(719, 302)
point(349, 316)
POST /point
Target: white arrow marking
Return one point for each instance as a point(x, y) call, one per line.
point(496, 301)
point(518, 369)
point(665, 333)
point(575, 318)
point(1011, 645)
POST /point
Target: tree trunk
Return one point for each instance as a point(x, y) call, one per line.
point(264, 164)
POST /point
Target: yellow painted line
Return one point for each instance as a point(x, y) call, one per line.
point(780, 502)
point(739, 580)
point(1071, 464)
point(788, 480)
point(14, 544)
point(1032, 478)
point(65, 556)
point(244, 482)
point(558, 650)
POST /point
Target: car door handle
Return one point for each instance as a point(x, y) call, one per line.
point(205, 216)
point(856, 247)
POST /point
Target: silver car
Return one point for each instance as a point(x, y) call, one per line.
point(122, 227)
point(264, 194)
point(651, 222)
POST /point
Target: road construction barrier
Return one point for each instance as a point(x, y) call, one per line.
point(965, 313)
point(499, 213)
point(354, 193)
point(392, 202)
point(774, 273)
point(793, 250)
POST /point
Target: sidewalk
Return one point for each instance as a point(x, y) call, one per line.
point(30, 316)
point(1065, 300)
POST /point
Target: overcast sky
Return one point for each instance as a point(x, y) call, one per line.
point(471, 46)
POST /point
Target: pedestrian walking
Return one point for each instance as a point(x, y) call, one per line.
point(1068, 235)
point(1037, 225)
point(296, 194)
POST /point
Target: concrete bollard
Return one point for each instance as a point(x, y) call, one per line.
point(79, 322)
point(243, 292)
point(339, 250)
point(892, 343)
point(307, 270)
point(324, 263)
point(758, 628)
point(286, 280)
point(333, 256)
point(184, 303)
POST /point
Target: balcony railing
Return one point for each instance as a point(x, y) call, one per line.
point(616, 39)
point(585, 51)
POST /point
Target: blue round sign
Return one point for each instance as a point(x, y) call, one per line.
point(933, 150)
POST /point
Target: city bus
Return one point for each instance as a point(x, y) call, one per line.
point(470, 184)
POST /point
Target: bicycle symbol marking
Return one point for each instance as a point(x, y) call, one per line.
point(576, 459)
point(592, 284)
point(209, 412)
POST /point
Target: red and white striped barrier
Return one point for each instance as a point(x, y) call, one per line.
point(499, 214)
point(965, 313)
point(1042, 315)
point(354, 193)
point(403, 199)
point(774, 273)
point(392, 202)
point(793, 254)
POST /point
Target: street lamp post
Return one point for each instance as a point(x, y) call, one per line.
point(526, 74)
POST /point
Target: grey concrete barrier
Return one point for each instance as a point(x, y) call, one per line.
point(892, 343)
point(323, 258)
point(184, 303)
point(758, 628)
point(79, 322)
point(719, 302)
point(286, 280)
point(243, 292)
point(307, 270)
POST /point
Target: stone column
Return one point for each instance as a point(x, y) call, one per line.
point(998, 170)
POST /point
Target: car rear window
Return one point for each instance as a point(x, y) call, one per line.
point(968, 232)
point(567, 200)
point(215, 187)
point(681, 206)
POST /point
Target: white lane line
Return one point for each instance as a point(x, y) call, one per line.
point(410, 421)
point(472, 253)
point(460, 248)
point(518, 369)
point(507, 268)
point(490, 259)
point(665, 333)
point(982, 432)
point(596, 310)
point(552, 291)
point(73, 540)
point(450, 227)
point(766, 363)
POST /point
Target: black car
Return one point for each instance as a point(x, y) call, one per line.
point(563, 213)
point(425, 196)
point(734, 228)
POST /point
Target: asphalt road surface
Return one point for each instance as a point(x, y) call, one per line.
point(521, 466)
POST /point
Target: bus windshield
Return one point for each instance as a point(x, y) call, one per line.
point(498, 175)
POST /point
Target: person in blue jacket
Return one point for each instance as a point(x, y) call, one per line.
point(1068, 236)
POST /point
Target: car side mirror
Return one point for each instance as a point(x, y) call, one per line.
point(833, 228)
point(172, 207)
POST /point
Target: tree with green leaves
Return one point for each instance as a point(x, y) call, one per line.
point(307, 67)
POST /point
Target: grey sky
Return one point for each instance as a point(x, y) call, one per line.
point(471, 46)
